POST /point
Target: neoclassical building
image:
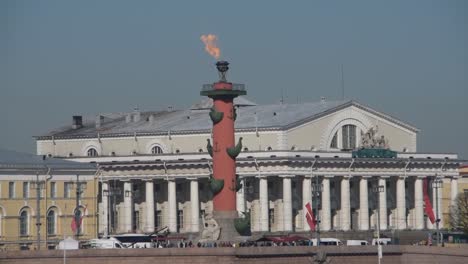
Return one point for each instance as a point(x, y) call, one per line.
point(40, 198)
point(153, 167)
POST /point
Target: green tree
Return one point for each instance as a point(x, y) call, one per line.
point(459, 213)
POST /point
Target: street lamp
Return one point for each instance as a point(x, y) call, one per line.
point(39, 186)
point(436, 184)
point(316, 190)
point(111, 192)
point(378, 189)
point(77, 214)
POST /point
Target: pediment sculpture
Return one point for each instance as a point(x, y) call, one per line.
point(371, 139)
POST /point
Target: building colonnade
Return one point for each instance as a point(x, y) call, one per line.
point(277, 203)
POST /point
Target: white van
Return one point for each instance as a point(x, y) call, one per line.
point(327, 242)
point(382, 241)
point(105, 243)
point(357, 243)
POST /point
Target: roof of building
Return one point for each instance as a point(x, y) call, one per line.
point(13, 159)
point(249, 117)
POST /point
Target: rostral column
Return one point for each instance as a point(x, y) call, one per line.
point(223, 182)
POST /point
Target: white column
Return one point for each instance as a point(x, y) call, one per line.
point(128, 200)
point(240, 199)
point(287, 204)
point(149, 206)
point(171, 199)
point(105, 209)
point(453, 191)
point(418, 204)
point(194, 205)
point(439, 204)
point(306, 198)
point(363, 204)
point(263, 197)
point(325, 225)
point(401, 204)
point(383, 205)
point(345, 205)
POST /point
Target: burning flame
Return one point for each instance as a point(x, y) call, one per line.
point(210, 45)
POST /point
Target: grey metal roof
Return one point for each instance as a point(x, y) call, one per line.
point(13, 159)
point(273, 116)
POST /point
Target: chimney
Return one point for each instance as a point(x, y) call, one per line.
point(77, 122)
point(136, 114)
point(151, 119)
point(99, 121)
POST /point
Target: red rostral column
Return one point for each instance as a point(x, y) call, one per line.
point(223, 149)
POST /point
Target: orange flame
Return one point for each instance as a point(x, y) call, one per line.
point(210, 45)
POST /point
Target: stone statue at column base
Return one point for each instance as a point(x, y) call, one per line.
point(211, 229)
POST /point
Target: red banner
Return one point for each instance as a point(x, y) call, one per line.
point(427, 202)
point(310, 217)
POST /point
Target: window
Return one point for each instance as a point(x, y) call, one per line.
point(180, 219)
point(51, 222)
point(53, 190)
point(349, 137)
point(26, 190)
point(92, 152)
point(24, 223)
point(136, 220)
point(82, 187)
point(11, 190)
point(158, 219)
point(334, 142)
point(156, 150)
point(271, 218)
point(67, 189)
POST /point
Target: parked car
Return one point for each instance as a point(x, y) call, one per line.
point(382, 241)
point(357, 243)
point(327, 242)
point(105, 243)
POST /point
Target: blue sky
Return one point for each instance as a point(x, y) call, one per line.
point(405, 58)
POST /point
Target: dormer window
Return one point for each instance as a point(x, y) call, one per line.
point(156, 150)
point(92, 152)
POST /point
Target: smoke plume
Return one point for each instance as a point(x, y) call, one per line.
point(210, 45)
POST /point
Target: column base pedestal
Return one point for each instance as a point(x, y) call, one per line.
point(225, 220)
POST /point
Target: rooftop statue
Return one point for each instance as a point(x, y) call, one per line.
point(373, 146)
point(370, 139)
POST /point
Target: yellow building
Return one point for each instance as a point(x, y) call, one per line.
point(55, 188)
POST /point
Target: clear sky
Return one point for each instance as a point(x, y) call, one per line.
point(62, 58)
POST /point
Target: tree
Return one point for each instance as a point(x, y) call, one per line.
point(459, 213)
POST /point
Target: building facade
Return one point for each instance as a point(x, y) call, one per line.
point(154, 168)
point(40, 199)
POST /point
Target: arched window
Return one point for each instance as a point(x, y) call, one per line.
point(334, 142)
point(24, 223)
point(156, 150)
point(51, 230)
point(92, 152)
point(345, 138)
point(349, 137)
